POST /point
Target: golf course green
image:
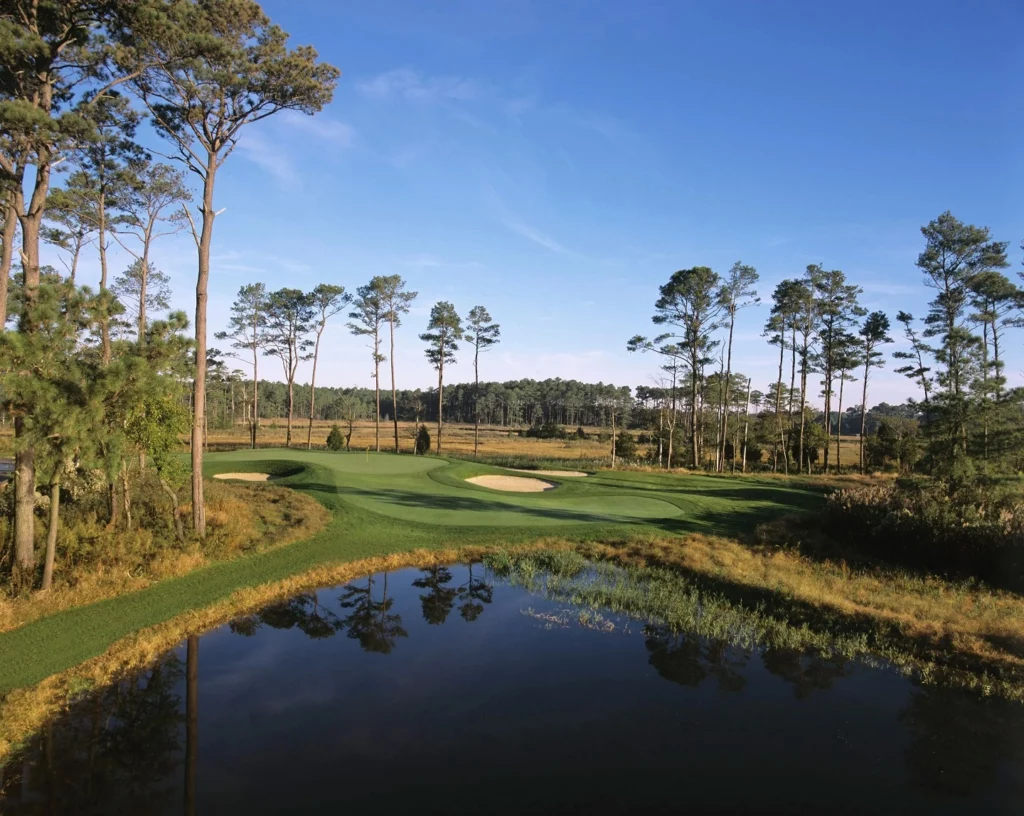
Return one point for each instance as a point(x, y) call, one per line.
point(382, 504)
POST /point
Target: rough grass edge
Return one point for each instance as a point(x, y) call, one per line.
point(18, 612)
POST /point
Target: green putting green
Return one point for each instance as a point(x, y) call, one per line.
point(383, 503)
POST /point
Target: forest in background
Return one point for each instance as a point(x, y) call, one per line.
point(102, 382)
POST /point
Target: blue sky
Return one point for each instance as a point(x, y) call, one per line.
point(557, 161)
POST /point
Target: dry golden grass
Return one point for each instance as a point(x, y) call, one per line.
point(495, 440)
point(458, 439)
point(966, 625)
point(239, 518)
point(982, 625)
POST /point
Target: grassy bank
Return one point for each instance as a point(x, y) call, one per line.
point(387, 511)
point(383, 504)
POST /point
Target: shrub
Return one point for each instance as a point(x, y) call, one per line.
point(546, 430)
point(895, 445)
point(335, 439)
point(970, 527)
point(422, 440)
point(625, 445)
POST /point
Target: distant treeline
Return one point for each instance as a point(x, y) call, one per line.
point(515, 403)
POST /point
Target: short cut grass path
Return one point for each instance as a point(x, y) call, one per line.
point(382, 504)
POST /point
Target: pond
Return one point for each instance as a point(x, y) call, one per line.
point(457, 690)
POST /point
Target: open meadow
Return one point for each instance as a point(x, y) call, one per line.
point(496, 442)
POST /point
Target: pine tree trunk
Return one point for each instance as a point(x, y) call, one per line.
point(694, 443)
point(440, 399)
point(864, 406)
point(144, 281)
point(803, 404)
point(291, 408)
point(312, 392)
point(25, 468)
point(199, 383)
point(105, 324)
point(828, 414)
point(746, 424)
point(394, 390)
point(839, 420)
point(778, 408)
point(476, 399)
point(52, 530)
point(7, 254)
point(376, 387)
point(725, 392)
point(254, 419)
point(671, 424)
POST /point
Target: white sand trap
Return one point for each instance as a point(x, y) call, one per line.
point(245, 477)
point(512, 484)
point(576, 474)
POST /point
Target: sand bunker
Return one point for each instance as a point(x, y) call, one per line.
point(513, 484)
point(245, 477)
point(574, 473)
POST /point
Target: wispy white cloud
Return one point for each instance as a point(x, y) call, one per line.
point(411, 86)
point(290, 265)
point(273, 149)
point(319, 127)
point(517, 106)
point(531, 233)
point(264, 153)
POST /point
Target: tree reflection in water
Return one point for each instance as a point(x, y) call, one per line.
point(303, 612)
point(439, 600)
point(114, 752)
point(473, 595)
point(133, 747)
point(689, 660)
point(370, 621)
point(806, 672)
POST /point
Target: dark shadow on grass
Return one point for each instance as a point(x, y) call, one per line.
point(472, 504)
point(719, 488)
point(737, 520)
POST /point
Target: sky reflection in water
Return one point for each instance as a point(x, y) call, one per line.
point(445, 690)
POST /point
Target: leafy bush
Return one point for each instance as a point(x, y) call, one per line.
point(895, 445)
point(422, 440)
point(547, 430)
point(335, 439)
point(625, 445)
point(966, 527)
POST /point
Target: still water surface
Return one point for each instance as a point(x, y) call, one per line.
point(450, 691)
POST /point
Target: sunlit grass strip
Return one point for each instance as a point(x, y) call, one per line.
point(666, 597)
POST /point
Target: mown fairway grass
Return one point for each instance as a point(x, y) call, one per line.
point(382, 504)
